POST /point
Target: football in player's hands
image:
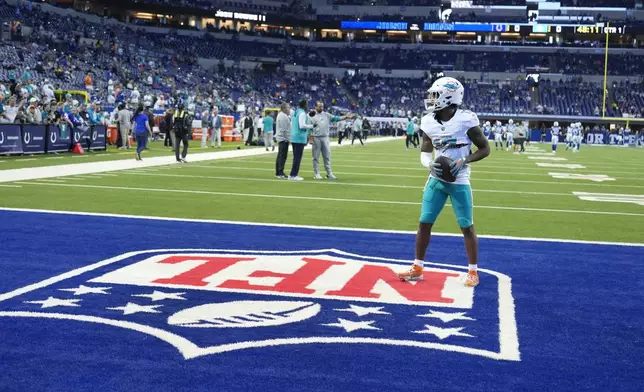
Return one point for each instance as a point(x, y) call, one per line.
point(442, 165)
point(312, 113)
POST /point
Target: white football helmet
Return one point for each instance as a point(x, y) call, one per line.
point(556, 124)
point(510, 121)
point(487, 123)
point(443, 93)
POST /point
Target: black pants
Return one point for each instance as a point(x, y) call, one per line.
point(280, 161)
point(167, 142)
point(410, 139)
point(416, 139)
point(249, 140)
point(298, 151)
point(119, 139)
point(341, 136)
point(357, 134)
point(181, 137)
point(521, 143)
point(365, 133)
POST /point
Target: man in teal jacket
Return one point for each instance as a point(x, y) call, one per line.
point(300, 128)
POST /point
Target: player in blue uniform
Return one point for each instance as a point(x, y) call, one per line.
point(450, 132)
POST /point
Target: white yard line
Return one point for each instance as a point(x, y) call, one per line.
point(10, 186)
point(340, 183)
point(474, 179)
point(487, 163)
point(328, 199)
point(334, 228)
point(33, 173)
point(422, 169)
point(51, 180)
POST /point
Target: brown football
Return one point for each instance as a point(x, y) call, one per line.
point(447, 174)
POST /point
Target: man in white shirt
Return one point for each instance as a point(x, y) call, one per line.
point(135, 96)
point(160, 103)
point(147, 100)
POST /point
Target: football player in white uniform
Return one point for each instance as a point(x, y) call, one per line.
point(487, 129)
point(627, 136)
point(509, 135)
point(577, 137)
point(450, 132)
point(498, 135)
point(555, 131)
point(569, 132)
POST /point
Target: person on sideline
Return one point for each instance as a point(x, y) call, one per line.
point(216, 128)
point(141, 126)
point(206, 123)
point(181, 127)
point(124, 119)
point(283, 137)
point(267, 124)
point(300, 128)
point(322, 120)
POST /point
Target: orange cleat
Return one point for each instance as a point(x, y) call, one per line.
point(472, 279)
point(413, 274)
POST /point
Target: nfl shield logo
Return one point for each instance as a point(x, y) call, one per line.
point(206, 302)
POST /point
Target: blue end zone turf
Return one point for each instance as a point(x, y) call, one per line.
point(118, 304)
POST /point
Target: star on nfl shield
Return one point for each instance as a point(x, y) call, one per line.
point(209, 302)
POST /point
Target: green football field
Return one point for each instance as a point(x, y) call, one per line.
point(379, 186)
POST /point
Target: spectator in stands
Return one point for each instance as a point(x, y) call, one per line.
point(283, 137)
point(84, 114)
point(11, 109)
point(89, 83)
point(160, 103)
point(135, 96)
point(300, 128)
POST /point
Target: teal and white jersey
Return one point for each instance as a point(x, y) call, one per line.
point(450, 138)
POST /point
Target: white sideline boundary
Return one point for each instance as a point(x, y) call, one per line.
point(382, 231)
point(73, 169)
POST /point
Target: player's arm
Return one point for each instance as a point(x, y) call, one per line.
point(480, 141)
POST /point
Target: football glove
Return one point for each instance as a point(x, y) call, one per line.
point(456, 166)
point(437, 170)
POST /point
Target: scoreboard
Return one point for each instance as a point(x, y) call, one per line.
point(522, 28)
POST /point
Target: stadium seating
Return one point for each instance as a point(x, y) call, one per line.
point(63, 49)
